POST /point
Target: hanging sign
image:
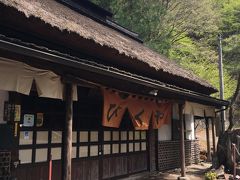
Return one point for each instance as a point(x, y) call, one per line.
point(26, 135)
point(140, 111)
point(39, 119)
point(162, 114)
point(15, 129)
point(12, 112)
point(9, 111)
point(113, 109)
point(17, 113)
point(28, 120)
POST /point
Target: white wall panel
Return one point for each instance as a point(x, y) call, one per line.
point(165, 132)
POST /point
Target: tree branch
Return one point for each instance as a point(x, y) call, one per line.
point(235, 100)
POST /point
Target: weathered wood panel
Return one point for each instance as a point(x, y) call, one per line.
point(56, 170)
point(85, 169)
point(137, 162)
point(115, 166)
point(29, 172)
point(81, 169)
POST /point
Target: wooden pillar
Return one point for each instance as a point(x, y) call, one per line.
point(152, 141)
point(208, 139)
point(152, 150)
point(67, 139)
point(182, 147)
point(213, 136)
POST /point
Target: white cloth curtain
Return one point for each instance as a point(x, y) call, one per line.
point(189, 123)
point(199, 109)
point(17, 76)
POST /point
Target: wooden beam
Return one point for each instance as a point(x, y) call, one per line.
point(213, 136)
point(182, 147)
point(67, 139)
point(79, 81)
point(83, 65)
point(208, 139)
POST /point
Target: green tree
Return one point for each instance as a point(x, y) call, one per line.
point(230, 29)
point(161, 23)
point(183, 30)
point(201, 58)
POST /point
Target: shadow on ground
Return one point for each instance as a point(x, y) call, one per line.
point(193, 172)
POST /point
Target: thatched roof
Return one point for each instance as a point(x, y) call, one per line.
point(64, 18)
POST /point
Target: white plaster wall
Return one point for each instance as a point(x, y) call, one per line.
point(165, 132)
point(3, 97)
point(189, 123)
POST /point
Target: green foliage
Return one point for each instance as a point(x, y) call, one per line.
point(230, 28)
point(210, 175)
point(202, 60)
point(186, 31)
point(161, 23)
point(230, 17)
point(231, 49)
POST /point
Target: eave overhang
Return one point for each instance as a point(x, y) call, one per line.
point(46, 55)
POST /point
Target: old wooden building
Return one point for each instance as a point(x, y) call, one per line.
point(81, 90)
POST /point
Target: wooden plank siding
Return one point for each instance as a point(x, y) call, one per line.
point(124, 164)
point(81, 169)
point(115, 166)
point(137, 163)
point(87, 169)
point(100, 152)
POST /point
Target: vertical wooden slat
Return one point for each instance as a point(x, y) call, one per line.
point(67, 139)
point(50, 168)
point(234, 160)
point(151, 148)
point(182, 148)
point(213, 136)
point(208, 139)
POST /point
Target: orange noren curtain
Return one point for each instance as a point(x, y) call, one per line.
point(140, 111)
point(162, 113)
point(113, 109)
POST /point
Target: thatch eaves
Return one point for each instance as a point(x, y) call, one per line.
point(64, 18)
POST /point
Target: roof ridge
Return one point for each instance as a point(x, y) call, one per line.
point(64, 18)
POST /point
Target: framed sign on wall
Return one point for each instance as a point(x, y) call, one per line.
point(28, 120)
point(9, 111)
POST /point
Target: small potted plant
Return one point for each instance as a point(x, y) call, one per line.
point(211, 175)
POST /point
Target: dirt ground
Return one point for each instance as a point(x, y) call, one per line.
point(201, 135)
point(193, 172)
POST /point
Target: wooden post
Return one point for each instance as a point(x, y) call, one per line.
point(213, 136)
point(50, 168)
point(234, 160)
point(152, 141)
point(182, 148)
point(67, 139)
point(208, 139)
